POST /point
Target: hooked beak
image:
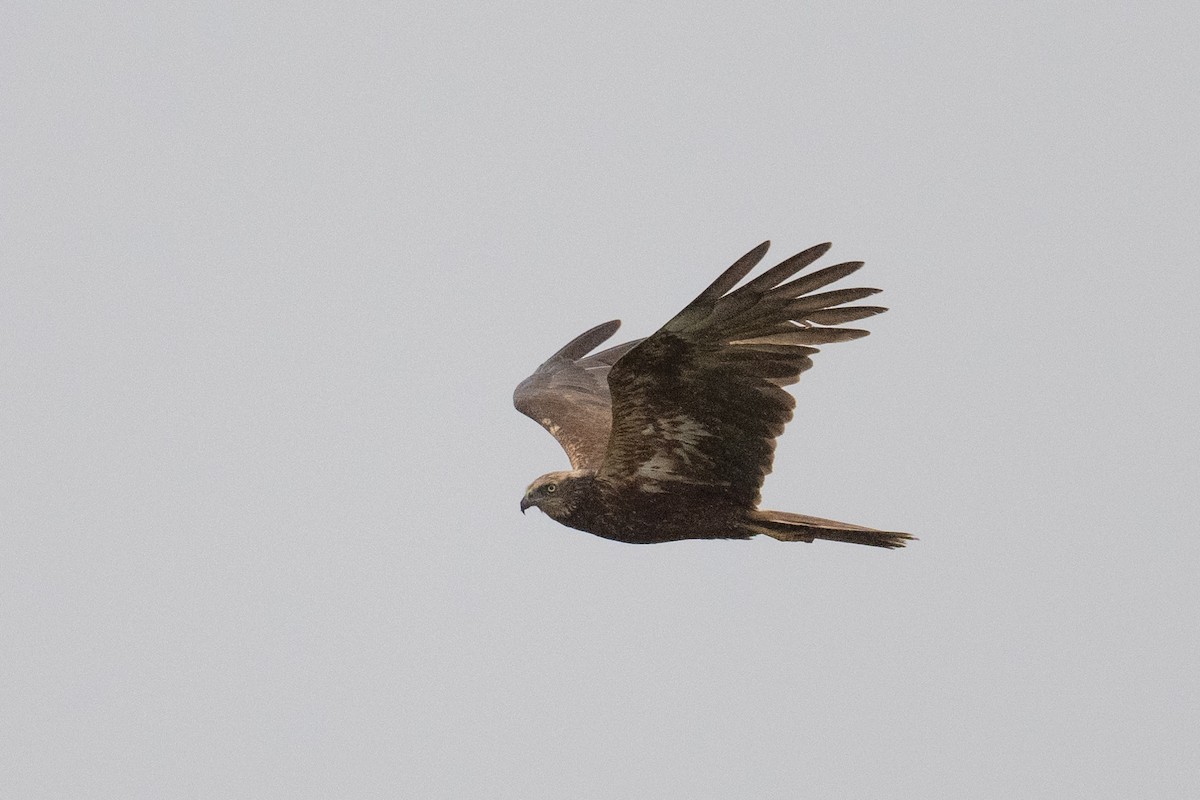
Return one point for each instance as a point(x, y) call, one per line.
point(525, 503)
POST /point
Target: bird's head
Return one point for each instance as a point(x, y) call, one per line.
point(556, 493)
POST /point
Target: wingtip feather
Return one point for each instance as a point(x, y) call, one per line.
point(729, 278)
point(787, 268)
point(587, 341)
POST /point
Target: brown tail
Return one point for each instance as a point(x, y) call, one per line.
point(798, 528)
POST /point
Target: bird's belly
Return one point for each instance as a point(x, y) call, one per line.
point(651, 518)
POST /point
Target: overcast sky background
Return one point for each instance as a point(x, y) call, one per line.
point(269, 276)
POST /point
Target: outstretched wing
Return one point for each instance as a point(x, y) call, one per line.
point(702, 400)
point(568, 395)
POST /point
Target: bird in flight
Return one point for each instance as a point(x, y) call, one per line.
point(671, 436)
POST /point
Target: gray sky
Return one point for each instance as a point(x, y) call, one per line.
point(269, 276)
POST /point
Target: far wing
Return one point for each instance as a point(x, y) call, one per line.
point(568, 395)
point(701, 401)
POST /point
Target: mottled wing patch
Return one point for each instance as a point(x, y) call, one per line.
point(678, 453)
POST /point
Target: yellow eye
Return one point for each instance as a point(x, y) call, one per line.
point(551, 488)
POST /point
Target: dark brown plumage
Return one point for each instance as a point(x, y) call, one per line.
point(670, 437)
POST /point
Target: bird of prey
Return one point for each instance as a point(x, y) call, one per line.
point(670, 436)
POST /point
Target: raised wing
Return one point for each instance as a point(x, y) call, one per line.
point(702, 400)
point(568, 395)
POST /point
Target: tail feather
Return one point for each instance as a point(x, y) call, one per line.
point(800, 528)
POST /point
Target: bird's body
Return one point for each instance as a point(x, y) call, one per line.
point(671, 436)
point(623, 512)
